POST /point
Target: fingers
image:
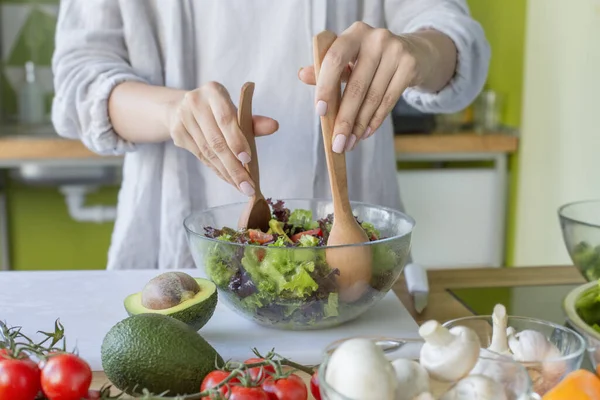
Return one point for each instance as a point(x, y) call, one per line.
point(264, 126)
point(344, 50)
point(345, 133)
point(182, 139)
point(400, 81)
point(215, 125)
point(307, 74)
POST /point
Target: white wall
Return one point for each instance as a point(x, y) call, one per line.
point(560, 146)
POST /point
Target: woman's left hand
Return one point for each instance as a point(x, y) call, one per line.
point(378, 67)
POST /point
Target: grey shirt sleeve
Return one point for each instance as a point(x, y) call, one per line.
point(452, 18)
point(90, 59)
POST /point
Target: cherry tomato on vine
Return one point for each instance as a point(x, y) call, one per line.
point(19, 379)
point(314, 385)
point(213, 379)
point(289, 388)
point(256, 371)
point(247, 393)
point(66, 377)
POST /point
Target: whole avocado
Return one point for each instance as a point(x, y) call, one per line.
point(157, 353)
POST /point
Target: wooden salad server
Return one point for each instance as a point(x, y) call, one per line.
point(257, 213)
point(353, 262)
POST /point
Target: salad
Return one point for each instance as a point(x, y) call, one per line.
point(587, 258)
point(588, 307)
point(281, 276)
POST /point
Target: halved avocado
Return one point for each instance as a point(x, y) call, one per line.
point(195, 311)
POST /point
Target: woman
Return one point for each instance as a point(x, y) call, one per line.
point(155, 79)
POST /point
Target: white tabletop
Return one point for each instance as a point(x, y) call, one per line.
point(89, 303)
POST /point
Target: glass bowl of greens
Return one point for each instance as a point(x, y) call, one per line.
point(281, 278)
point(580, 223)
point(582, 308)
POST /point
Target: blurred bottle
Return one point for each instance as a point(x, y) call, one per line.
point(32, 108)
point(489, 107)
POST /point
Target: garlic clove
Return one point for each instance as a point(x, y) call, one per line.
point(412, 379)
point(475, 387)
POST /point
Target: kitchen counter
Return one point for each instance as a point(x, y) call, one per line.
point(444, 305)
point(47, 146)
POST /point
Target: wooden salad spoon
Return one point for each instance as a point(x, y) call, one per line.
point(353, 262)
point(257, 213)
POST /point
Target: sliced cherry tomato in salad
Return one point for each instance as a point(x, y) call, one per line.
point(314, 385)
point(247, 393)
point(214, 378)
point(313, 232)
point(255, 373)
point(19, 379)
point(259, 236)
point(260, 254)
point(288, 388)
point(66, 377)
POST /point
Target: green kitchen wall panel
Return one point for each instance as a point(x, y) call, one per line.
point(8, 97)
point(35, 42)
point(44, 237)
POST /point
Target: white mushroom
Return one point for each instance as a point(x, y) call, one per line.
point(412, 379)
point(501, 372)
point(448, 354)
point(540, 357)
point(358, 369)
point(475, 387)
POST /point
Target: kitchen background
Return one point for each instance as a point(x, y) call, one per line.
point(477, 224)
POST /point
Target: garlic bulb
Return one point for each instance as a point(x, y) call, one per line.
point(532, 347)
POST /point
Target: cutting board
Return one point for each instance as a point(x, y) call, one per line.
point(89, 303)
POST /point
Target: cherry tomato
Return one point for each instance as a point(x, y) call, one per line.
point(256, 371)
point(19, 379)
point(259, 236)
point(313, 232)
point(314, 386)
point(66, 377)
point(247, 393)
point(290, 388)
point(213, 379)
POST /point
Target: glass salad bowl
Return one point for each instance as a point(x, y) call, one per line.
point(503, 370)
point(582, 308)
point(580, 224)
point(289, 284)
point(548, 356)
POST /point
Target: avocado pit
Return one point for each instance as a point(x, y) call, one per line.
point(169, 290)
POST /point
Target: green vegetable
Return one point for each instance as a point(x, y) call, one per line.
point(308, 241)
point(158, 353)
point(302, 219)
point(331, 308)
point(195, 312)
point(277, 227)
point(587, 258)
point(370, 230)
point(220, 264)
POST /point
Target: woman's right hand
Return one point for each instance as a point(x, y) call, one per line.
point(204, 122)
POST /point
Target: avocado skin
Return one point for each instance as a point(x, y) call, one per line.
point(158, 353)
point(196, 315)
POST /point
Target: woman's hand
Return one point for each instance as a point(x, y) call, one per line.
point(205, 123)
point(378, 67)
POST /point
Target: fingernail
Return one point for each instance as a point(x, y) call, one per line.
point(247, 189)
point(339, 143)
point(368, 132)
point(351, 143)
point(300, 70)
point(244, 157)
point(321, 108)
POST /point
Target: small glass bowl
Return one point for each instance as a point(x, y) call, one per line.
point(520, 387)
point(571, 345)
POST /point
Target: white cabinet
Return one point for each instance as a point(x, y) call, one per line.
point(459, 215)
